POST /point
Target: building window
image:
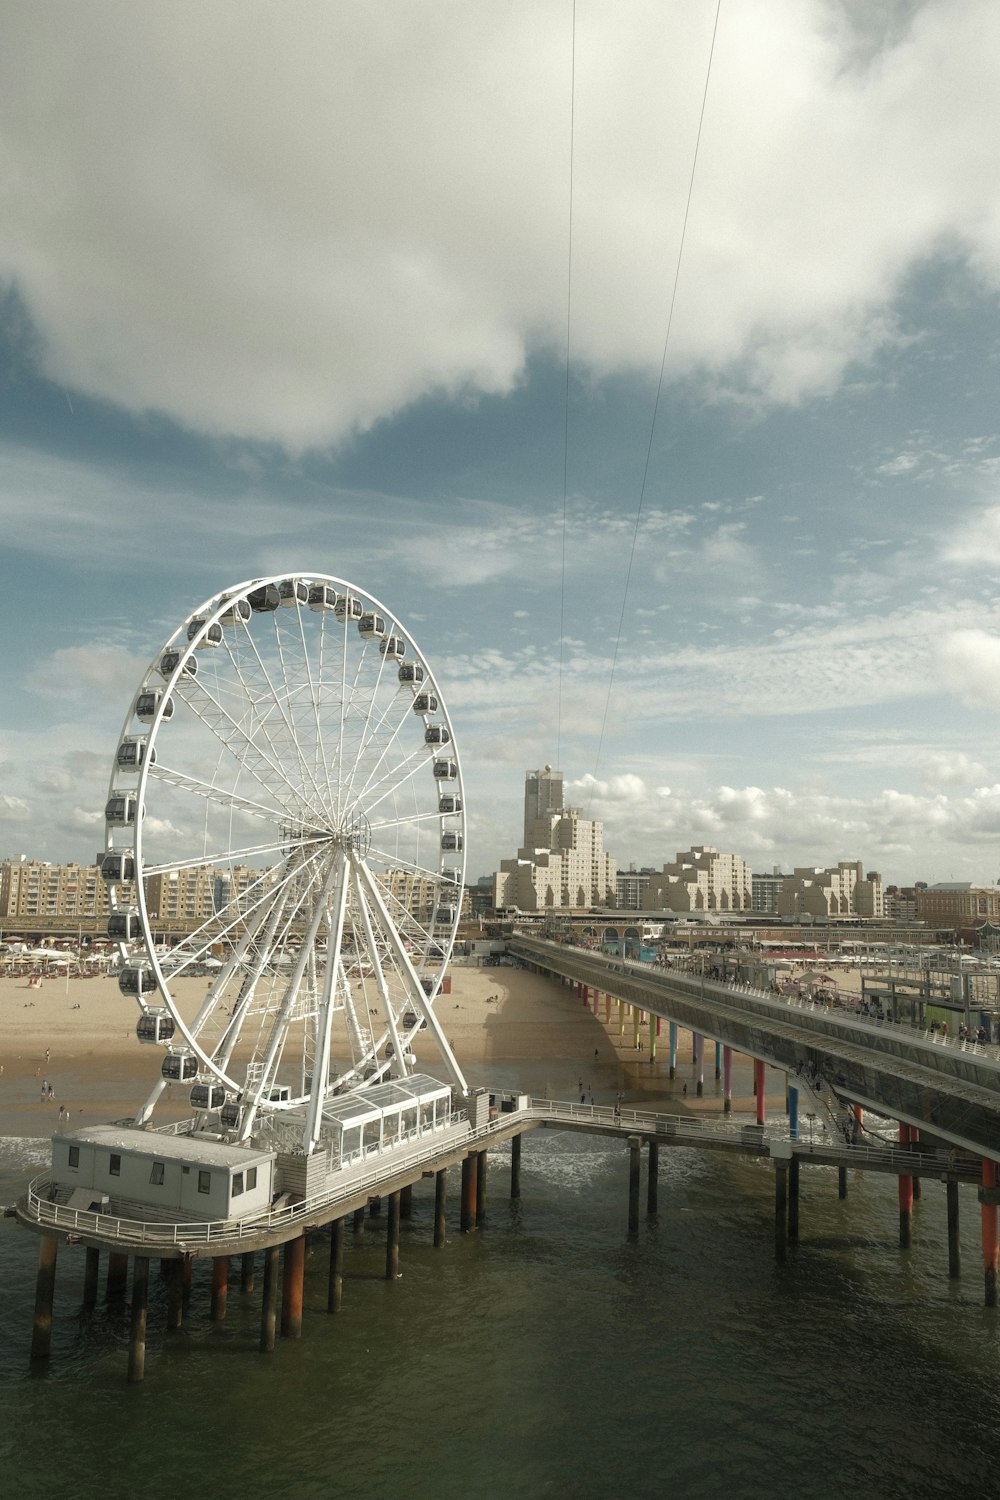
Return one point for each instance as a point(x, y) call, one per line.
point(237, 1184)
point(251, 1179)
point(115, 1165)
point(74, 1156)
point(156, 1174)
point(204, 1182)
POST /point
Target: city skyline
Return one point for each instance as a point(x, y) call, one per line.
point(313, 294)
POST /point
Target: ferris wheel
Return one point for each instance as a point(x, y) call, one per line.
point(285, 853)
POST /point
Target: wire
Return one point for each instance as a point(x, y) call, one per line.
point(659, 388)
point(569, 315)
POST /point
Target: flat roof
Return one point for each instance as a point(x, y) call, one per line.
point(195, 1150)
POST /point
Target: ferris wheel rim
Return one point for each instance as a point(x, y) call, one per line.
point(185, 642)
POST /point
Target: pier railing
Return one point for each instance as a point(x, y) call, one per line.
point(351, 1184)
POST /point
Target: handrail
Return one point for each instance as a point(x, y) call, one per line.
point(688, 1128)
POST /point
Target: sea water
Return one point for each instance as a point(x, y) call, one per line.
point(545, 1355)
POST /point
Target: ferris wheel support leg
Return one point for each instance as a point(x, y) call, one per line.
point(416, 988)
point(150, 1104)
point(397, 1070)
point(324, 1021)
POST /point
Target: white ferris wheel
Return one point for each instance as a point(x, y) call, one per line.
point(286, 805)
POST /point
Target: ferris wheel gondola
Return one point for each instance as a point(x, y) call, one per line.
point(286, 802)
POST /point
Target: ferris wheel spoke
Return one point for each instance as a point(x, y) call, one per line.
point(285, 708)
point(321, 768)
point(230, 801)
point(235, 915)
point(374, 951)
point(392, 779)
point(222, 857)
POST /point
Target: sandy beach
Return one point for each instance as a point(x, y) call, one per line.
point(508, 1028)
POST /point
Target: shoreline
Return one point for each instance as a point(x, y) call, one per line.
point(508, 1027)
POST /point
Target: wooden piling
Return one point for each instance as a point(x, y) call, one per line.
point(292, 1282)
point(137, 1328)
point(45, 1286)
point(392, 1239)
point(269, 1300)
point(335, 1286)
point(440, 1195)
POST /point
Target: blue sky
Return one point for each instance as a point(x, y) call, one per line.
point(290, 287)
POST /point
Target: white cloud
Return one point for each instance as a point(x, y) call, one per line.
point(291, 221)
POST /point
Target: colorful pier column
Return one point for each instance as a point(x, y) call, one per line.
point(585, 994)
point(905, 1195)
point(780, 1207)
point(515, 1167)
point(672, 1039)
point(758, 1083)
point(137, 1325)
point(634, 1157)
point(469, 1175)
point(220, 1287)
point(699, 1064)
point(718, 1061)
point(654, 1031)
point(727, 1080)
point(793, 1112)
point(636, 1023)
point(45, 1286)
point(989, 1198)
point(481, 1187)
point(793, 1201)
point(91, 1276)
point(269, 1300)
point(392, 1239)
point(621, 1018)
point(248, 1268)
point(954, 1253)
point(607, 1009)
point(440, 1197)
point(652, 1176)
point(335, 1280)
point(292, 1283)
point(117, 1281)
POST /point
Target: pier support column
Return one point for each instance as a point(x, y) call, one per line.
point(607, 1009)
point(374, 1207)
point(247, 1272)
point(187, 1268)
point(117, 1282)
point(467, 1220)
point(780, 1208)
point(292, 1282)
point(621, 1019)
point(515, 1167)
point(335, 1282)
point(954, 1253)
point(793, 1201)
point(481, 1187)
point(392, 1239)
point(634, 1159)
point(672, 1041)
point(905, 1195)
point(175, 1294)
point(727, 1080)
point(652, 1175)
point(699, 1064)
point(440, 1193)
point(718, 1061)
point(654, 1023)
point(220, 1287)
point(636, 1023)
point(406, 1201)
point(91, 1275)
point(988, 1212)
point(137, 1328)
point(45, 1286)
point(758, 1083)
point(269, 1300)
point(914, 1138)
point(841, 1182)
point(793, 1112)
point(359, 1221)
